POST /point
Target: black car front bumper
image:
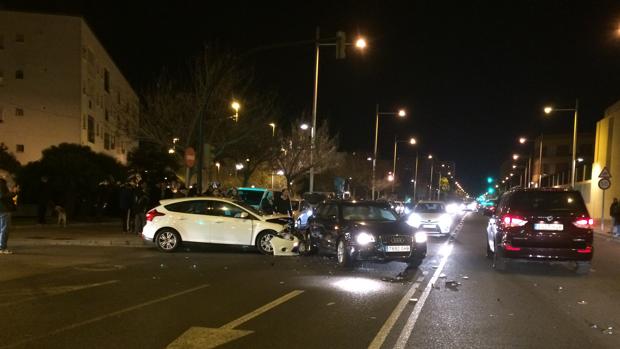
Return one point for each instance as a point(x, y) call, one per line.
point(379, 250)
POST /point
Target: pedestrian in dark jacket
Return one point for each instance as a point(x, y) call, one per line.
point(283, 205)
point(6, 207)
point(141, 205)
point(125, 201)
point(614, 212)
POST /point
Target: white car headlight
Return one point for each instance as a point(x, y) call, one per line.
point(445, 219)
point(420, 237)
point(364, 238)
point(414, 220)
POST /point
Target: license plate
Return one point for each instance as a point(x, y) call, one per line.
point(405, 248)
point(432, 226)
point(545, 226)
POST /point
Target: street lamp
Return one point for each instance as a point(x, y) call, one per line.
point(549, 110)
point(273, 129)
point(411, 141)
point(304, 126)
point(236, 106)
point(515, 156)
point(360, 44)
point(430, 186)
point(400, 113)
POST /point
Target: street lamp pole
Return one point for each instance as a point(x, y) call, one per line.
point(430, 188)
point(540, 164)
point(374, 157)
point(394, 163)
point(575, 110)
point(314, 106)
point(415, 177)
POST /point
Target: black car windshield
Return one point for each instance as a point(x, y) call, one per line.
point(430, 207)
point(547, 201)
point(367, 213)
point(251, 197)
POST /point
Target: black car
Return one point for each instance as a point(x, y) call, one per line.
point(541, 224)
point(365, 230)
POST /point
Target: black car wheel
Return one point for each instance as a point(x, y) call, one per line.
point(263, 242)
point(167, 240)
point(343, 256)
point(583, 268)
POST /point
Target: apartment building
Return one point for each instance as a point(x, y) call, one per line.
point(59, 85)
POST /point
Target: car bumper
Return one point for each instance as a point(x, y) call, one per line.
point(378, 252)
point(434, 228)
point(549, 254)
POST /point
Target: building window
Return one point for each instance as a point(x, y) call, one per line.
point(19, 148)
point(90, 104)
point(19, 74)
point(1, 42)
point(19, 112)
point(106, 141)
point(112, 142)
point(19, 37)
point(91, 129)
point(106, 80)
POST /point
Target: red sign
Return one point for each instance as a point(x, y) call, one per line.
point(190, 157)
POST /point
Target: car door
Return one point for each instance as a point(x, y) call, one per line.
point(190, 220)
point(230, 224)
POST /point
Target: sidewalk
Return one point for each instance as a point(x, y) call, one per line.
point(77, 234)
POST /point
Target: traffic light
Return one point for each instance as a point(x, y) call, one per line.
point(489, 180)
point(341, 45)
point(491, 190)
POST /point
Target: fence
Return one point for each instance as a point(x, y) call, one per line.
point(582, 173)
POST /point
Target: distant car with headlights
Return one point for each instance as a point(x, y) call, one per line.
point(431, 217)
point(541, 224)
point(211, 220)
point(364, 230)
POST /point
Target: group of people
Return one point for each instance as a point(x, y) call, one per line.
point(277, 203)
point(614, 213)
point(134, 202)
point(7, 205)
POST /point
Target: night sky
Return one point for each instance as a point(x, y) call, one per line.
point(473, 75)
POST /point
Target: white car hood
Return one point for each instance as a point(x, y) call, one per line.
point(429, 216)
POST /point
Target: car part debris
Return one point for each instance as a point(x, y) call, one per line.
point(284, 244)
point(582, 302)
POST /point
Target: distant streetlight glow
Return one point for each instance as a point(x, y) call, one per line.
point(239, 166)
point(522, 140)
point(402, 113)
point(235, 105)
point(390, 178)
point(548, 110)
point(515, 156)
point(171, 151)
point(304, 126)
point(430, 156)
point(369, 158)
point(280, 173)
point(514, 166)
point(579, 159)
point(412, 141)
point(361, 43)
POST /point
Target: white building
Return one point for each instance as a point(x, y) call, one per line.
point(59, 85)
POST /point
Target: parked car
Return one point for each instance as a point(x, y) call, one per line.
point(541, 224)
point(253, 196)
point(365, 230)
point(431, 217)
point(210, 220)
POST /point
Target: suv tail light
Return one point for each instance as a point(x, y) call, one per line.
point(583, 222)
point(152, 214)
point(513, 221)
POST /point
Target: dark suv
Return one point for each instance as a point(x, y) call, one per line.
point(541, 224)
point(365, 230)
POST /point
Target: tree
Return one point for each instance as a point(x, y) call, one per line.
point(74, 173)
point(8, 162)
point(154, 160)
point(294, 156)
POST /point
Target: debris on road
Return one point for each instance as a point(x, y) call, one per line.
point(413, 300)
point(442, 276)
point(452, 285)
point(560, 289)
point(330, 304)
point(582, 302)
point(465, 277)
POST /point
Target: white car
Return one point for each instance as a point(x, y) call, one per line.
point(213, 221)
point(431, 217)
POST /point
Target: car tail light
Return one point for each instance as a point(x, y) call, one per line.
point(513, 221)
point(588, 249)
point(152, 214)
point(509, 247)
point(583, 222)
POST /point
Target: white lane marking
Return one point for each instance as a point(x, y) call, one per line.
point(447, 249)
point(379, 339)
point(99, 318)
point(387, 327)
point(50, 291)
point(403, 338)
point(206, 338)
point(262, 309)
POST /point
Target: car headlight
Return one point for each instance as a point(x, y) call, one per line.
point(414, 220)
point(445, 219)
point(364, 238)
point(420, 237)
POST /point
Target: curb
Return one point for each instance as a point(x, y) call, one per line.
point(82, 242)
point(37, 226)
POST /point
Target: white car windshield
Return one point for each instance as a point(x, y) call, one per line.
point(430, 207)
point(249, 208)
point(367, 213)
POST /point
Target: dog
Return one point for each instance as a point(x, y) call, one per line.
point(62, 215)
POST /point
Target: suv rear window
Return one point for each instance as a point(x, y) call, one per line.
point(547, 201)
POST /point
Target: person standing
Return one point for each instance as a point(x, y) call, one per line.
point(125, 201)
point(284, 203)
point(140, 207)
point(614, 213)
point(6, 207)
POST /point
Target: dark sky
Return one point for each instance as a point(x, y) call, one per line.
point(473, 75)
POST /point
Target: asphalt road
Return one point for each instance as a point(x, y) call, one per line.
point(126, 297)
